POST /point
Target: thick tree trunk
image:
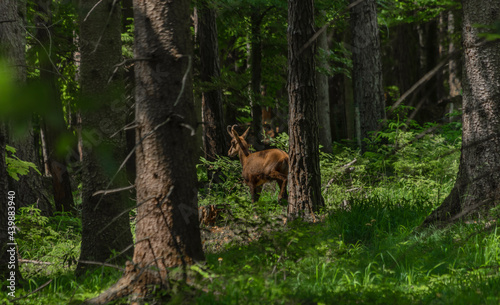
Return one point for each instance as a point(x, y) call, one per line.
point(214, 141)
point(304, 176)
point(105, 219)
point(6, 244)
point(477, 187)
point(12, 43)
point(29, 188)
point(167, 229)
point(367, 67)
point(325, 129)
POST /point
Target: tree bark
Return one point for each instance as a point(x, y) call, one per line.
point(325, 130)
point(367, 67)
point(105, 218)
point(477, 187)
point(167, 229)
point(305, 180)
point(12, 43)
point(214, 140)
point(5, 242)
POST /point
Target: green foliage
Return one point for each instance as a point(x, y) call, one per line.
point(54, 241)
point(338, 58)
point(493, 31)
point(280, 141)
point(16, 166)
point(393, 12)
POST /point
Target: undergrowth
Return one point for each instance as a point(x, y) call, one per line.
point(367, 248)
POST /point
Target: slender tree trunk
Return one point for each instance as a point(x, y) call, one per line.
point(256, 75)
point(53, 123)
point(477, 187)
point(305, 180)
point(214, 141)
point(325, 130)
point(105, 218)
point(367, 67)
point(453, 67)
point(167, 229)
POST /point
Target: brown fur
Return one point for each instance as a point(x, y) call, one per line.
point(260, 167)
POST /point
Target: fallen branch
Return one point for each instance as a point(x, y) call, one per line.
point(29, 261)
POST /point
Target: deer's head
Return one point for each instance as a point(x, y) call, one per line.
point(237, 142)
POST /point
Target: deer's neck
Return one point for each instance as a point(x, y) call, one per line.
point(243, 157)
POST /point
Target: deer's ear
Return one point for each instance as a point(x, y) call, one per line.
point(245, 134)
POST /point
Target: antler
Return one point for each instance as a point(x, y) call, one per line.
point(229, 130)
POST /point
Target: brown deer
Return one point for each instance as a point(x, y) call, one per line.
point(259, 167)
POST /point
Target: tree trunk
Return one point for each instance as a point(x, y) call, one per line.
point(477, 187)
point(53, 122)
point(367, 67)
point(305, 180)
point(325, 129)
point(167, 229)
point(105, 218)
point(12, 43)
point(8, 268)
point(256, 79)
point(214, 141)
point(453, 67)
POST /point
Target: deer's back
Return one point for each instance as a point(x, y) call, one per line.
point(266, 161)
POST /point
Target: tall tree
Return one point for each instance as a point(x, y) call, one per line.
point(477, 186)
point(29, 188)
point(53, 121)
point(214, 140)
point(367, 67)
point(256, 17)
point(105, 221)
point(4, 233)
point(325, 129)
point(167, 229)
point(304, 176)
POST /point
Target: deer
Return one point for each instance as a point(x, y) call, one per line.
point(261, 166)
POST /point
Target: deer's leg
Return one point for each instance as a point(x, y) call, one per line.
point(258, 190)
point(255, 192)
point(281, 179)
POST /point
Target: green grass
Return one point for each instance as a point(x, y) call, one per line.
point(367, 248)
point(370, 253)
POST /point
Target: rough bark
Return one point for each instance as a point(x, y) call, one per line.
point(325, 130)
point(304, 176)
point(29, 188)
point(367, 67)
point(105, 218)
point(477, 187)
point(214, 140)
point(167, 229)
point(12, 45)
point(4, 200)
